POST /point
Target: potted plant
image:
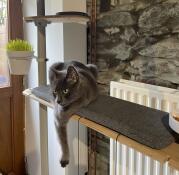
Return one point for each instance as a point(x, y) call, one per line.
point(20, 54)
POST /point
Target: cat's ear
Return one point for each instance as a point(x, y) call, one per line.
point(93, 68)
point(72, 75)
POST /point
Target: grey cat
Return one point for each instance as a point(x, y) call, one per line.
point(73, 86)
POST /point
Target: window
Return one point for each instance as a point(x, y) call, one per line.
point(4, 72)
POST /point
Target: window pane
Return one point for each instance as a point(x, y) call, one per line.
point(4, 72)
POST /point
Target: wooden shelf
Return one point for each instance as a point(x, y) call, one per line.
point(99, 128)
point(173, 152)
point(169, 154)
point(65, 18)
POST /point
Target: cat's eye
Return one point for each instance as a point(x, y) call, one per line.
point(66, 91)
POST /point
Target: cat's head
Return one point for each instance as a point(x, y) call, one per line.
point(65, 86)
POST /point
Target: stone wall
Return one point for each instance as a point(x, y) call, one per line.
point(138, 40)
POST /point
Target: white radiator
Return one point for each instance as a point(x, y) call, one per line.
point(125, 160)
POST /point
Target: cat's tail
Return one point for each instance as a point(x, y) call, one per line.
point(93, 68)
point(54, 71)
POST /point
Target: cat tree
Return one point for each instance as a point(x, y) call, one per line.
point(41, 21)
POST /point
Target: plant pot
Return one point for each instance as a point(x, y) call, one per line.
point(19, 61)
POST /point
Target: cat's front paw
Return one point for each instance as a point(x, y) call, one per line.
point(64, 163)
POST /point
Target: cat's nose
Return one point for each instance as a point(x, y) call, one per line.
point(58, 101)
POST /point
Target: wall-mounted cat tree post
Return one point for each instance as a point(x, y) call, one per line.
point(42, 80)
point(41, 32)
point(41, 21)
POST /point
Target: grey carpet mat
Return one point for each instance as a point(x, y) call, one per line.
point(142, 124)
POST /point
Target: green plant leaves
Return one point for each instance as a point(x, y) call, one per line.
point(19, 45)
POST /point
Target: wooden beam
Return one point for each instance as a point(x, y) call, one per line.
point(99, 128)
point(173, 152)
point(6, 92)
point(18, 124)
point(15, 30)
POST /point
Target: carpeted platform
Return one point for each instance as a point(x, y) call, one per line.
point(142, 124)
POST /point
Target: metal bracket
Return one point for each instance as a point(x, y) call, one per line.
point(41, 59)
point(41, 23)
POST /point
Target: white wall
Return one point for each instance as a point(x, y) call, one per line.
point(32, 110)
point(61, 46)
point(77, 5)
point(73, 42)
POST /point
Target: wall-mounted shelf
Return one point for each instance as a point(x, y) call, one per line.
point(169, 154)
point(61, 17)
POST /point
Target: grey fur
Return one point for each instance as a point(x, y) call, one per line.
point(73, 86)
